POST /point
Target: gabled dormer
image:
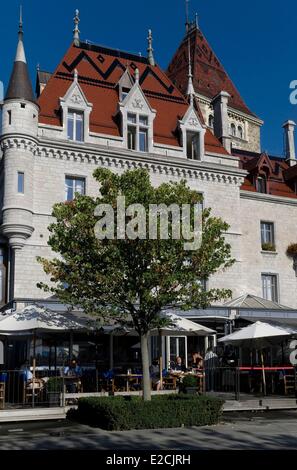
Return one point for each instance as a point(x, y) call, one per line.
point(260, 170)
point(76, 112)
point(192, 134)
point(125, 84)
point(137, 119)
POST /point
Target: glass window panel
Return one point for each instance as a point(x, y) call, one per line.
point(73, 185)
point(70, 127)
point(269, 287)
point(21, 181)
point(143, 140)
point(79, 129)
point(132, 138)
point(143, 120)
point(80, 186)
point(132, 118)
point(193, 145)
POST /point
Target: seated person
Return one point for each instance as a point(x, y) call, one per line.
point(155, 374)
point(178, 366)
point(73, 370)
point(197, 361)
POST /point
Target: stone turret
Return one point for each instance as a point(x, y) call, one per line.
point(19, 142)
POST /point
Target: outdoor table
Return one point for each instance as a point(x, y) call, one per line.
point(270, 370)
point(130, 379)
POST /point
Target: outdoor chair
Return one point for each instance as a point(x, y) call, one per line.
point(289, 384)
point(38, 390)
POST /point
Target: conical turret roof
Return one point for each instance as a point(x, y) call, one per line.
point(20, 86)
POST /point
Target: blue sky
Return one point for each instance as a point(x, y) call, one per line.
point(256, 42)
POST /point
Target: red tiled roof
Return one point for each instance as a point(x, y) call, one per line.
point(209, 76)
point(277, 176)
point(99, 70)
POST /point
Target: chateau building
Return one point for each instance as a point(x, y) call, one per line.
point(104, 107)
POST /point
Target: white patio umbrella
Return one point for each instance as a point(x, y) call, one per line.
point(259, 335)
point(34, 318)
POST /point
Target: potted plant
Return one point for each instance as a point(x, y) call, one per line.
point(292, 253)
point(54, 388)
point(268, 247)
point(189, 385)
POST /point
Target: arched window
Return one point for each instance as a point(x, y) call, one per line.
point(240, 132)
point(233, 130)
point(211, 121)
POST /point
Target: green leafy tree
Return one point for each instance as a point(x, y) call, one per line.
point(133, 279)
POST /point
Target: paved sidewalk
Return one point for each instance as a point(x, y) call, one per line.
point(273, 430)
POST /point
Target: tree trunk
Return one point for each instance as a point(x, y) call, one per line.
point(146, 380)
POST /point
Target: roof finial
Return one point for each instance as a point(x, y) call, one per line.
point(190, 90)
point(21, 21)
point(75, 75)
point(187, 16)
point(150, 50)
point(76, 31)
point(196, 20)
point(136, 75)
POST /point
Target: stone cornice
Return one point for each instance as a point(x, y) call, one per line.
point(268, 198)
point(113, 158)
point(19, 142)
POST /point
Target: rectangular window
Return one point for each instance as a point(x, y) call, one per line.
point(267, 236)
point(193, 145)
point(261, 185)
point(74, 185)
point(75, 126)
point(137, 134)
point(21, 182)
point(143, 147)
point(9, 117)
point(131, 137)
point(269, 287)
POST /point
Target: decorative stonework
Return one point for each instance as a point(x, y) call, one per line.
point(18, 143)
point(126, 163)
point(137, 103)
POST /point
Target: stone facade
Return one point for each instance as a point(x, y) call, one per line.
point(44, 154)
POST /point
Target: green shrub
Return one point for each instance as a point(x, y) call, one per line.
point(189, 381)
point(165, 411)
point(54, 384)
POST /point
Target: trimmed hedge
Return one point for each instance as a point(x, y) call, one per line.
point(165, 411)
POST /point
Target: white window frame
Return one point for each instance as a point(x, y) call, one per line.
point(265, 232)
point(74, 178)
point(77, 116)
point(274, 297)
point(75, 101)
point(138, 126)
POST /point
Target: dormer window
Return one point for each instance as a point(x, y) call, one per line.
point(211, 121)
point(261, 185)
point(137, 132)
point(75, 126)
point(193, 145)
point(76, 112)
point(124, 92)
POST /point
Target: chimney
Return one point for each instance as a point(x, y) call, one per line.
point(221, 121)
point(289, 141)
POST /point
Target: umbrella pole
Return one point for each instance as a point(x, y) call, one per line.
point(263, 373)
